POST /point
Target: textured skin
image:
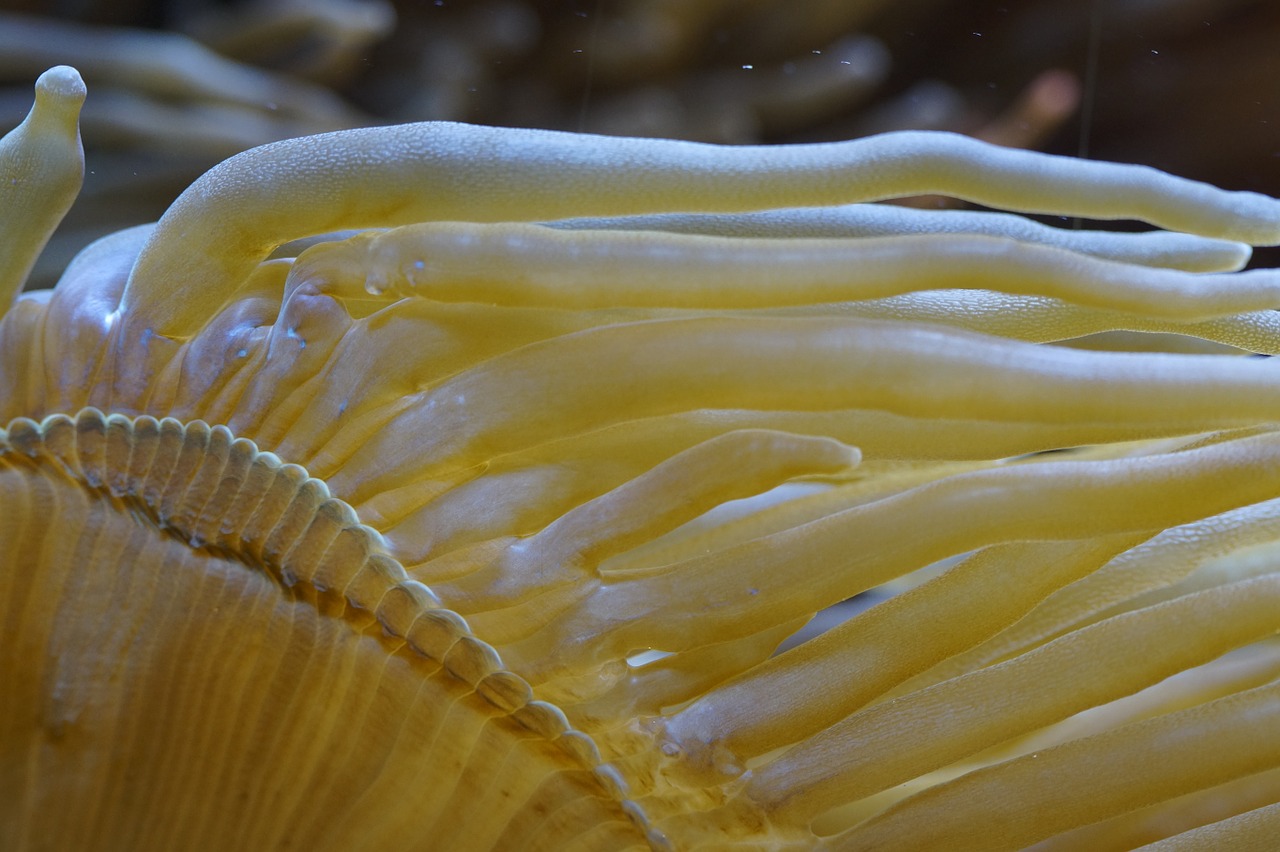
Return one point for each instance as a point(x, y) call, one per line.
point(512, 572)
point(240, 566)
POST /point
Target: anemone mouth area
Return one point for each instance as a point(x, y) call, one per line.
point(221, 636)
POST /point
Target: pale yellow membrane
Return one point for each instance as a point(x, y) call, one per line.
point(41, 169)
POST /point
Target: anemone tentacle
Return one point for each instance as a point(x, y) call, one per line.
point(483, 488)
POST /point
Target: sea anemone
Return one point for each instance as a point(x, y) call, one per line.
point(456, 487)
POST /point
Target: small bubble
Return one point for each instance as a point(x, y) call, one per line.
point(242, 353)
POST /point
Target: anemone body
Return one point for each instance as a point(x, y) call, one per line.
point(456, 487)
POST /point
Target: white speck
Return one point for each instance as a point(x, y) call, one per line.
point(747, 67)
point(242, 353)
point(643, 658)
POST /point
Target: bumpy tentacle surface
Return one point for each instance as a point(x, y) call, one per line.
point(1154, 248)
point(536, 454)
point(377, 177)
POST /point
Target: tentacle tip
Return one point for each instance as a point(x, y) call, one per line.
point(1260, 215)
point(854, 457)
point(61, 86)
